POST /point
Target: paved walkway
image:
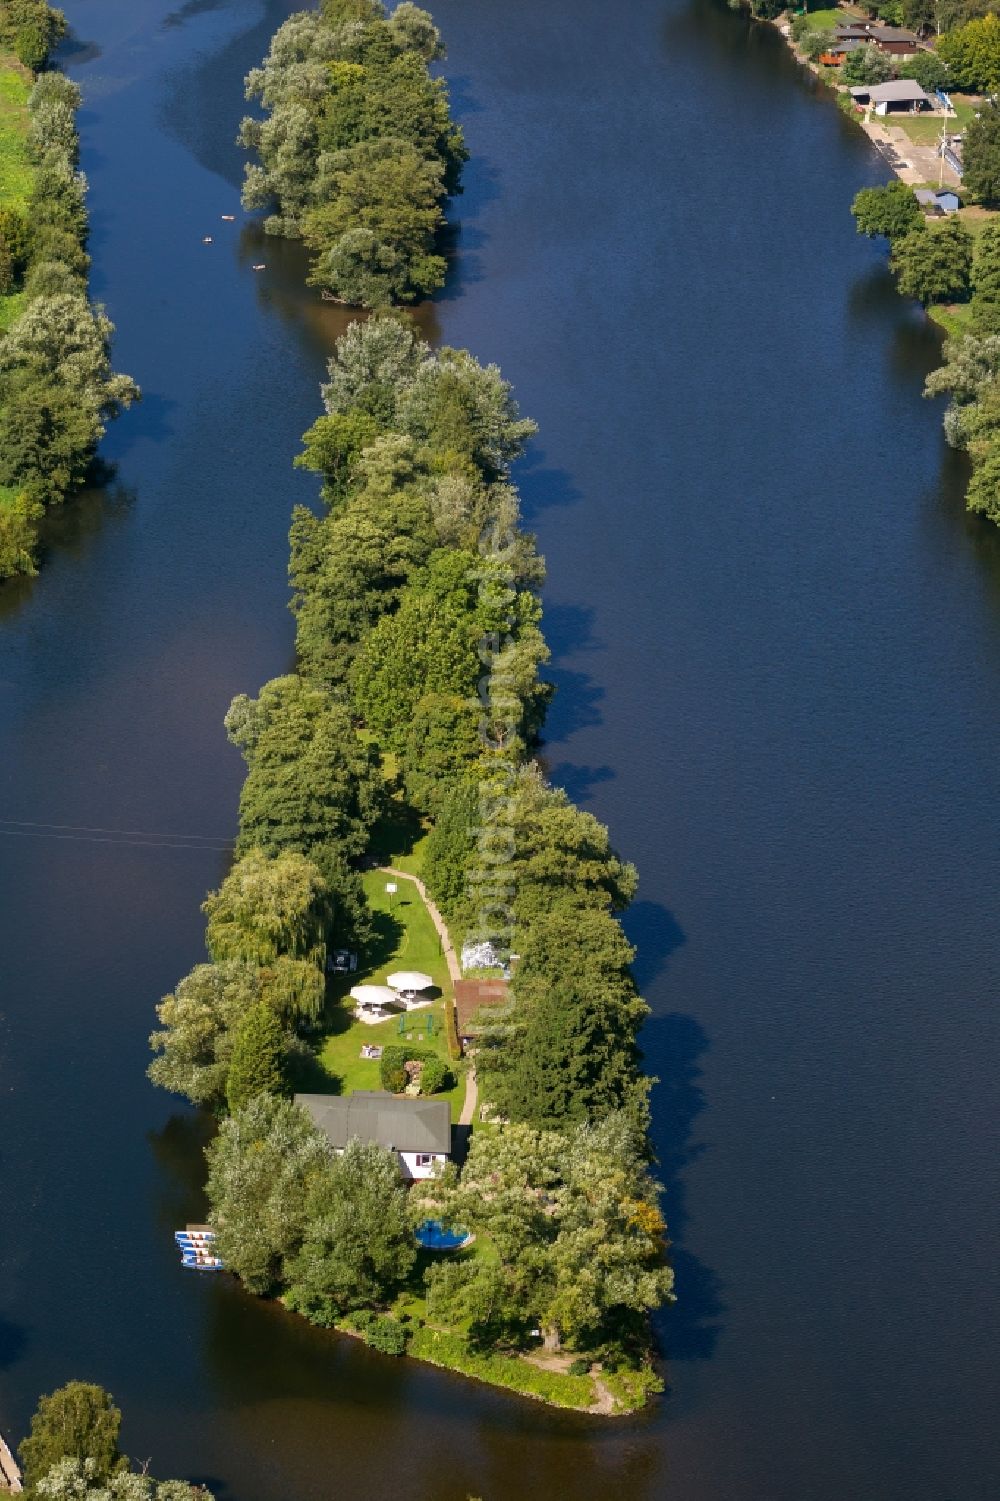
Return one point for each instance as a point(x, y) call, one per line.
point(471, 1097)
point(454, 968)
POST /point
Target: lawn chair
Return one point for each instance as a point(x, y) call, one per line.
point(402, 1024)
point(430, 1026)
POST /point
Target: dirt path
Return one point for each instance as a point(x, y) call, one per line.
point(471, 1096)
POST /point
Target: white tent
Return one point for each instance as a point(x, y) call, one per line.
point(373, 995)
point(410, 979)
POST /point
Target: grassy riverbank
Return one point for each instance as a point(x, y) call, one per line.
point(16, 171)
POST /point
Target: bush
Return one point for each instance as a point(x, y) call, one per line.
point(866, 65)
point(18, 535)
point(384, 1334)
point(579, 1367)
point(436, 1077)
point(392, 1074)
point(927, 69)
point(451, 1031)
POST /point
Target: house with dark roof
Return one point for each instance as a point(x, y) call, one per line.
point(838, 49)
point(417, 1131)
point(894, 41)
point(898, 93)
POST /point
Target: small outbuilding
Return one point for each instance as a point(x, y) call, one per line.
point(937, 202)
point(473, 996)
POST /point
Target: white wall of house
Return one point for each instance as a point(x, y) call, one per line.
point(421, 1164)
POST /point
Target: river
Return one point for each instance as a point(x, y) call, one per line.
point(776, 637)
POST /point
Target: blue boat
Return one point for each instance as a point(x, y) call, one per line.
point(434, 1237)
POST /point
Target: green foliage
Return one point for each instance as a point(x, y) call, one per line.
point(57, 389)
point(194, 1048)
point(578, 1237)
point(357, 151)
point(569, 1052)
point(387, 1336)
point(986, 280)
point(453, 1352)
point(19, 516)
point(269, 907)
point(927, 69)
point(934, 265)
point(866, 65)
point(981, 154)
point(260, 1168)
point(372, 232)
point(311, 781)
point(436, 1077)
point(451, 844)
point(79, 1421)
point(972, 53)
point(891, 211)
point(983, 495)
point(357, 1247)
point(30, 29)
point(561, 855)
point(392, 1075)
point(77, 1480)
point(255, 1067)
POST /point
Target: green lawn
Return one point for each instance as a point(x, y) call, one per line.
point(954, 318)
point(404, 939)
point(15, 168)
point(924, 130)
point(826, 20)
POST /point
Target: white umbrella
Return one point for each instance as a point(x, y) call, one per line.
point(410, 979)
point(374, 995)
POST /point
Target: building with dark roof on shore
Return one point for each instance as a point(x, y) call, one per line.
point(417, 1131)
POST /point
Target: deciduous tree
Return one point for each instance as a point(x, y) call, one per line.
point(891, 211)
point(79, 1421)
point(260, 1168)
point(255, 1067)
point(358, 1246)
point(934, 265)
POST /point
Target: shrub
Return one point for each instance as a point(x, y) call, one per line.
point(867, 65)
point(451, 1030)
point(579, 1367)
point(384, 1334)
point(927, 69)
point(436, 1077)
point(392, 1074)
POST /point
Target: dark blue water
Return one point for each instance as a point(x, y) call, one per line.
point(777, 642)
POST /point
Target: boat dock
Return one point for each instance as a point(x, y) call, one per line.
point(10, 1475)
